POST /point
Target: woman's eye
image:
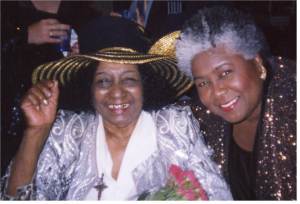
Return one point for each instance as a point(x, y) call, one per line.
point(103, 83)
point(130, 81)
point(225, 73)
point(203, 84)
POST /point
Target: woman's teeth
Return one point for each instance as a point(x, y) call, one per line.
point(230, 103)
point(118, 106)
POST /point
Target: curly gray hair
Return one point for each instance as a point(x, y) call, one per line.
point(218, 25)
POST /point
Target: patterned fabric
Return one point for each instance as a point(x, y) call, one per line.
point(275, 147)
point(67, 165)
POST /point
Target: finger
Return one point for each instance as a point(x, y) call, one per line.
point(59, 26)
point(52, 86)
point(54, 91)
point(40, 100)
point(58, 33)
point(49, 92)
point(45, 87)
point(48, 83)
point(74, 51)
point(64, 27)
point(39, 95)
point(76, 45)
point(30, 100)
point(53, 40)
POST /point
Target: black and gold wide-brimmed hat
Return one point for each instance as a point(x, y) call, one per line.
point(117, 40)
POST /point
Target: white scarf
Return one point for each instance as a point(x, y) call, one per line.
point(141, 145)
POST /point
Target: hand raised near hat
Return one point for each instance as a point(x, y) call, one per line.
point(47, 31)
point(40, 103)
point(39, 106)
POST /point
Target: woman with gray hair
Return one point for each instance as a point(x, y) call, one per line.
point(249, 98)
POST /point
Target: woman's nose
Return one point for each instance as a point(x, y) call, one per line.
point(219, 89)
point(117, 91)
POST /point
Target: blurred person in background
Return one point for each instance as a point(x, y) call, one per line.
point(160, 17)
point(31, 35)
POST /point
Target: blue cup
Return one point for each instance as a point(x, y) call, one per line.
point(64, 45)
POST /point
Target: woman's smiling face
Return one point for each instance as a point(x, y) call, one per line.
point(117, 93)
point(228, 84)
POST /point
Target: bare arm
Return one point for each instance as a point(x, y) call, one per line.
point(39, 106)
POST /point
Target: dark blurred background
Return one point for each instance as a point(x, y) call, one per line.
point(276, 18)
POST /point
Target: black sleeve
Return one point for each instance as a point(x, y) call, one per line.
point(14, 34)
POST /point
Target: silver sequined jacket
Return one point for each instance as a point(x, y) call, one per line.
point(67, 165)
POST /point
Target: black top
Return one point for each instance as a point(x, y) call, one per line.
point(241, 172)
point(21, 14)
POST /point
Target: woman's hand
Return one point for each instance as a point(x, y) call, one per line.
point(74, 49)
point(39, 106)
point(47, 31)
point(40, 103)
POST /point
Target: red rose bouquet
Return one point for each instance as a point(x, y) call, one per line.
point(182, 185)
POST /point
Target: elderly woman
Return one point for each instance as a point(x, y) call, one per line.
point(117, 150)
point(249, 112)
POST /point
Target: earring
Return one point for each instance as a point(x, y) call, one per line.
point(263, 74)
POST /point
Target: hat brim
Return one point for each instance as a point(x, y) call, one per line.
point(64, 69)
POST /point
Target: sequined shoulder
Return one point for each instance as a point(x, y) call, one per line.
point(282, 88)
point(284, 73)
